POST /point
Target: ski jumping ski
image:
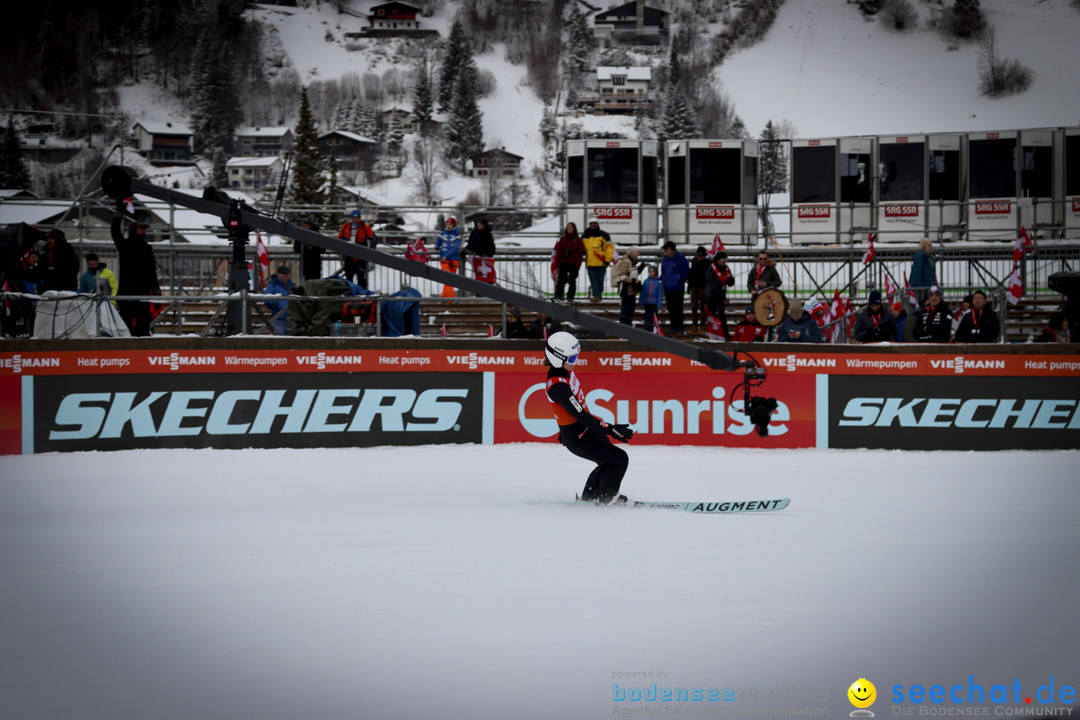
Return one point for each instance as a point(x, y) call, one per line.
point(727, 507)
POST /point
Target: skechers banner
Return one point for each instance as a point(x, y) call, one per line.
point(960, 413)
point(257, 410)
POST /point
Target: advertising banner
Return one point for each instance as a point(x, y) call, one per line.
point(960, 413)
point(255, 410)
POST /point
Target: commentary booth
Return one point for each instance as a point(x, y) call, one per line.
point(919, 185)
point(710, 187)
point(1072, 182)
point(1012, 181)
point(831, 189)
point(617, 181)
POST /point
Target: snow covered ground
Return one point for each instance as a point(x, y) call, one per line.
point(417, 582)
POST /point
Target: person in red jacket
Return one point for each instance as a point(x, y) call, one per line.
point(569, 252)
point(581, 432)
point(359, 232)
point(749, 329)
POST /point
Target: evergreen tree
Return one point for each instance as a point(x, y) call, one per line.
point(678, 121)
point(219, 174)
point(367, 122)
point(641, 121)
point(307, 185)
point(422, 100)
point(464, 127)
point(14, 174)
point(548, 126)
point(738, 129)
point(580, 42)
point(395, 135)
point(333, 190)
point(457, 48)
point(215, 104)
point(772, 162)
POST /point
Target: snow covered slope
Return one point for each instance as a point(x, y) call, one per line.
point(833, 73)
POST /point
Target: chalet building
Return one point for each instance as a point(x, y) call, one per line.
point(394, 16)
point(253, 173)
point(620, 90)
point(352, 151)
point(163, 143)
point(404, 116)
point(632, 24)
point(263, 141)
point(498, 163)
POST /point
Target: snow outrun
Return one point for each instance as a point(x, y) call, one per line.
point(418, 582)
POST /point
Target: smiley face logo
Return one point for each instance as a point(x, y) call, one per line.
point(862, 693)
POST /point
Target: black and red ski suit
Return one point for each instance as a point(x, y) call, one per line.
point(586, 436)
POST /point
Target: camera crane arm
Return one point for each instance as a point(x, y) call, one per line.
point(120, 182)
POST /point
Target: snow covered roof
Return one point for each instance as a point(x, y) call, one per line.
point(163, 128)
point(252, 161)
point(349, 135)
point(604, 72)
point(32, 211)
point(271, 132)
point(16, 193)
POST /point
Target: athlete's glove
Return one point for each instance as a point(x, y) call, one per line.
point(622, 433)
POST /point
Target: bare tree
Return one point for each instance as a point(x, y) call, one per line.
point(427, 169)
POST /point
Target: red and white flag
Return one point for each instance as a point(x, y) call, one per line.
point(491, 331)
point(442, 330)
point(657, 330)
point(555, 264)
point(869, 256)
point(912, 300)
point(890, 289)
point(417, 251)
point(836, 314)
point(1016, 286)
point(129, 205)
point(1023, 245)
point(262, 265)
point(717, 246)
point(714, 329)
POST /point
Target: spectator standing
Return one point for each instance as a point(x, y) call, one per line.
point(359, 232)
point(717, 280)
point(980, 324)
point(652, 298)
point(699, 267)
point(874, 324)
point(675, 270)
point(97, 278)
point(799, 326)
point(763, 275)
point(749, 329)
point(569, 252)
point(900, 317)
point(310, 255)
point(923, 272)
point(279, 284)
point(481, 246)
point(59, 263)
point(448, 245)
point(599, 253)
point(138, 273)
point(933, 323)
point(624, 276)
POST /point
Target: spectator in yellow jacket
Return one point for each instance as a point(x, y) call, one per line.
point(97, 278)
point(599, 253)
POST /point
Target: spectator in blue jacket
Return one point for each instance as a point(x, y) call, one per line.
point(799, 326)
point(675, 270)
point(401, 317)
point(448, 245)
point(923, 274)
point(652, 297)
point(280, 284)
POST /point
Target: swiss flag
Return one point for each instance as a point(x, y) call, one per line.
point(836, 313)
point(869, 256)
point(912, 300)
point(417, 251)
point(1016, 286)
point(657, 330)
point(714, 329)
point(890, 289)
point(717, 245)
point(1023, 245)
point(262, 267)
point(484, 269)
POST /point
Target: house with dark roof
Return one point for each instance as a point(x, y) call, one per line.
point(496, 162)
point(633, 23)
point(163, 143)
point(352, 151)
point(263, 141)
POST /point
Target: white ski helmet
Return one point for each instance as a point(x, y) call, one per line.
point(562, 348)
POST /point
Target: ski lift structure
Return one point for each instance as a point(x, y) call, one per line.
point(617, 181)
point(710, 187)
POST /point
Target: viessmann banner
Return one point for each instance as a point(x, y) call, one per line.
point(273, 398)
